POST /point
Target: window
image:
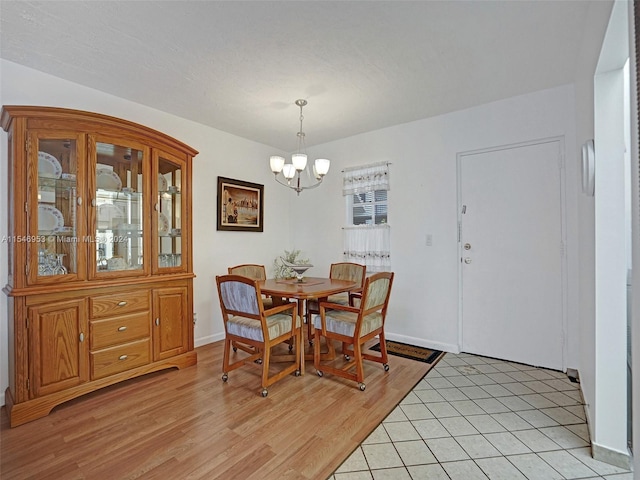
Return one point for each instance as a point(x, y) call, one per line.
point(369, 208)
point(366, 238)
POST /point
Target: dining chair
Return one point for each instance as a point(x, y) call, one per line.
point(254, 329)
point(354, 326)
point(255, 272)
point(339, 271)
point(250, 270)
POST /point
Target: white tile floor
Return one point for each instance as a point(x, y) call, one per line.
point(474, 418)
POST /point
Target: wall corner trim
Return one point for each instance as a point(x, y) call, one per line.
point(610, 456)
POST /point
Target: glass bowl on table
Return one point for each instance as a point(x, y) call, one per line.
point(298, 269)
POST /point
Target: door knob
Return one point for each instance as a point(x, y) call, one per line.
point(467, 246)
point(467, 260)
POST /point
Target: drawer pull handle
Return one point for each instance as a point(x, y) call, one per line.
point(122, 357)
point(81, 337)
point(157, 321)
point(122, 303)
point(122, 329)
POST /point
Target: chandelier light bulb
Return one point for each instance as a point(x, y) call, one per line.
point(289, 171)
point(276, 162)
point(299, 161)
point(322, 166)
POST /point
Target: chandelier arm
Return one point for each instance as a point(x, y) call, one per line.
point(293, 187)
point(285, 183)
point(309, 187)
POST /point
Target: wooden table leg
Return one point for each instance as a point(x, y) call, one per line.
point(302, 344)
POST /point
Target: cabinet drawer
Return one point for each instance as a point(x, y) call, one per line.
point(118, 359)
point(117, 330)
point(119, 303)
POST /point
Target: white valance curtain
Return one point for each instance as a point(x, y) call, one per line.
point(366, 179)
point(367, 244)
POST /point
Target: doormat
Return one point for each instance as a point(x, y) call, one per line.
point(412, 352)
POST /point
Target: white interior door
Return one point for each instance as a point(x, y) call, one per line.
point(511, 244)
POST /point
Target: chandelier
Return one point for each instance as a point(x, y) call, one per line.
point(293, 171)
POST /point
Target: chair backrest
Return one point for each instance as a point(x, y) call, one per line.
point(249, 270)
point(349, 271)
point(377, 289)
point(239, 295)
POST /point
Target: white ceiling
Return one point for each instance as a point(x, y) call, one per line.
point(238, 66)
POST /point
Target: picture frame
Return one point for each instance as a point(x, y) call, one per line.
point(240, 205)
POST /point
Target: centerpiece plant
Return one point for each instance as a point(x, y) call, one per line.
point(281, 270)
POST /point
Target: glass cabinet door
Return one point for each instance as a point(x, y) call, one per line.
point(170, 209)
point(118, 218)
point(55, 252)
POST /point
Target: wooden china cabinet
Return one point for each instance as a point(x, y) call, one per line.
point(100, 285)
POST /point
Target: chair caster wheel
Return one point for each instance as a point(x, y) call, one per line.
point(311, 343)
point(297, 373)
point(347, 358)
point(362, 387)
point(386, 367)
point(264, 392)
point(259, 361)
point(290, 348)
point(225, 377)
point(320, 373)
point(235, 349)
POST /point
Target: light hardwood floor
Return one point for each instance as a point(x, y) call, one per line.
point(188, 424)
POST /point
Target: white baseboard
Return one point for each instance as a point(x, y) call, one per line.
point(610, 456)
point(198, 342)
point(601, 453)
point(421, 342)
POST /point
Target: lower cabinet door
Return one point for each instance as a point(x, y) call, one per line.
point(171, 322)
point(58, 346)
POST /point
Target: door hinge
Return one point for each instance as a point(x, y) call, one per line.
point(459, 232)
point(27, 145)
point(562, 249)
point(561, 160)
point(26, 323)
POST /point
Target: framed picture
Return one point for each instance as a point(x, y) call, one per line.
point(240, 205)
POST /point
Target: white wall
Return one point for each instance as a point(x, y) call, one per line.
point(605, 333)
point(220, 154)
point(423, 199)
point(635, 228)
point(609, 425)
